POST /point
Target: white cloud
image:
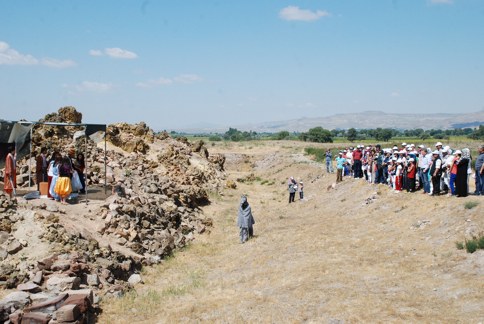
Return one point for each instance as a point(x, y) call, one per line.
point(90, 86)
point(441, 1)
point(9, 56)
point(60, 64)
point(187, 78)
point(395, 94)
point(296, 13)
point(95, 53)
point(114, 52)
point(182, 78)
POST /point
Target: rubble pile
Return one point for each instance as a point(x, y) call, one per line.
point(131, 138)
point(159, 185)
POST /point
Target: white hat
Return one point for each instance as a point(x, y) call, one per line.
point(395, 148)
point(457, 152)
point(411, 160)
point(421, 146)
point(394, 158)
point(404, 144)
point(436, 152)
point(412, 145)
point(445, 150)
point(399, 161)
point(402, 152)
point(438, 143)
point(341, 153)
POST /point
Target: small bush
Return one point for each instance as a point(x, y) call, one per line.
point(480, 243)
point(471, 204)
point(471, 246)
point(459, 245)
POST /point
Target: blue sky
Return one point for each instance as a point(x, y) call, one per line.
point(176, 64)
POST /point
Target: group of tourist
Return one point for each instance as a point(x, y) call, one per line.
point(63, 174)
point(294, 187)
point(436, 171)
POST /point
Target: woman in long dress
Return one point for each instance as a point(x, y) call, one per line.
point(53, 173)
point(10, 178)
point(462, 163)
point(63, 186)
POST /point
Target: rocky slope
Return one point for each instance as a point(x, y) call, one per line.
point(158, 186)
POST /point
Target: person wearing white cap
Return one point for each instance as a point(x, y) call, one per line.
point(444, 179)
point(411, 173)
point(399, 175)
point(340, 162)
point(424, 163)
point(436, 172)
point(453, 171)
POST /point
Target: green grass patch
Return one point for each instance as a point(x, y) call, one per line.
point(472, 245)
point(471, 204)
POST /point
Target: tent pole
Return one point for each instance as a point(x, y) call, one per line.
point(105, 168)
point(30, 159)
point(85, 163)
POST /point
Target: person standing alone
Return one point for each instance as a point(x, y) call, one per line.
point(245, 220)
point(10, 178)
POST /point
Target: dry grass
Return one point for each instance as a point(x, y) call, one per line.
point(329, 257)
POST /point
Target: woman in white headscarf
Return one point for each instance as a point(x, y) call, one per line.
point(461, 185)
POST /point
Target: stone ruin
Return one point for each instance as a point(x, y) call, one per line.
point(159, 185)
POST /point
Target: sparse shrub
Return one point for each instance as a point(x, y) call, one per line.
point(471, 246)
point(215, 138)
point(459, 245)
point(480, 243)
point(471, 204)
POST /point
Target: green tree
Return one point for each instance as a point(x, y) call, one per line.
point(282, 135)
point(478, 133)
point(318, 135)
point(351, 134)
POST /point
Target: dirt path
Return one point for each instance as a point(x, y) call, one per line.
point(359, 253)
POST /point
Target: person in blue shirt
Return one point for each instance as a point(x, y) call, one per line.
point(340, 162)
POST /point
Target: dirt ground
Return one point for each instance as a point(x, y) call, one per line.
point(357, 253)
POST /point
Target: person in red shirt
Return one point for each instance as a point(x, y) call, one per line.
point(357, 155)
point(411, 172)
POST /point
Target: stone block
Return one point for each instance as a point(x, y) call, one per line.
point(14, 247)
point(84, 292)
point(67, 313)
point(81, 301)
point(29, 287)
point(16, 317)
point(36, 318)
point(38, 277)
point(49, 306)
point(17, 299)
point(60, 283)
point(92, 280)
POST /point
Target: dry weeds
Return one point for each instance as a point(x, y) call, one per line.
point(330, 257)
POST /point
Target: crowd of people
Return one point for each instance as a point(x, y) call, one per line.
point(434, 171)
point(63, 175)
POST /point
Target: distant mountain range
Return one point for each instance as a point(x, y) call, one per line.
point(367, 119)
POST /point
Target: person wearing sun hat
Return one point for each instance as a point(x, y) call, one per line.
point(436, 172)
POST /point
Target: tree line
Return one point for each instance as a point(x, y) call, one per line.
point(322, 135)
